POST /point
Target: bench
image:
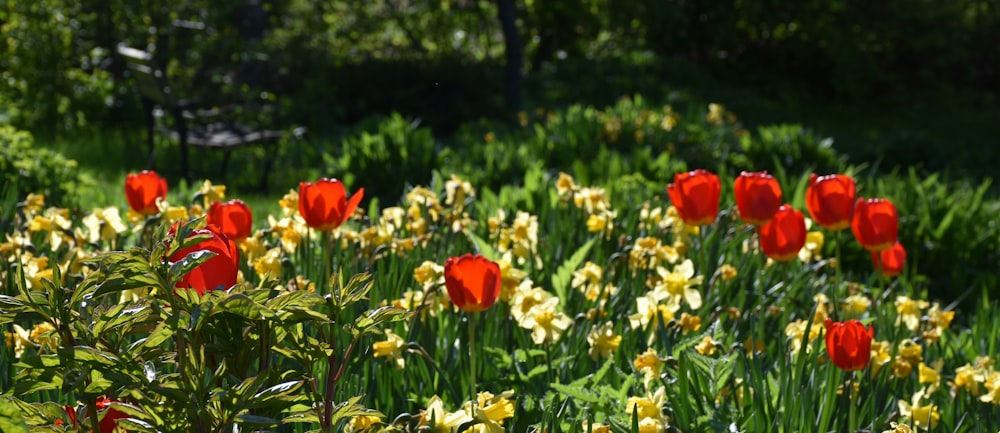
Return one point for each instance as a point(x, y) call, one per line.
point(190, 125)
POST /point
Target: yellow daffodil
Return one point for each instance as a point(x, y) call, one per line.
point(909, 311)
point(930, 375)
point(546, 322)
point(689, 323)
point(898, 428)
point(797, 330)
point(603, 341)
point(649, 411)
point(591, 199)
point(856, 304)
point(490, 410)
point(268, 265)
point(104, 224)
point(649, 363)
point(680, 283)
point(213, 193)
point(391, 348)
point(457, 190)
point(992, 385)
point(707, 346)
point(444, 421)
point(565, 186)
point(923, 417)
point(362, 422)
point(727, 272)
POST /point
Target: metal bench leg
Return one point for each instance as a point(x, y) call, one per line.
point(225, 163)
point(147, 108)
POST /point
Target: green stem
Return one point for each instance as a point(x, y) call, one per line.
point(852, 422)
point(838, 277)
point(472, 352)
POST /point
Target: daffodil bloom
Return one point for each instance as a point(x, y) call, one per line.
point(526, 297)
point(797, 330)
point(923, 417)
point(992, 384)
point(391, 348)
point(590, 274)
point(592, 200)
point(602, 222)
point(103, 224)
point(649, 411)
point(361, 422)
point(648, 307)
point(649, 253)
point(429, 274)
point(212, 193)
point(33, 203)
point(898, 428)
point(649, 363)
point(813, 248)
point(707, 346)
point(856, 304)
point(911, 352)
point(680, 283)
point(18, 340)
point(444, 422)
point(821, 308)
point(689, 323)
point(56, 222)
point(545, 322)
point(930, 375)
point(880, 356)
point(268, 265)
point(490, 410)
point(253, 247)
point(909, 311)
point(457, 190)
point(603, 341)
point(968, 377)
point(565, 186)
point(728, 272)
point(595, 428)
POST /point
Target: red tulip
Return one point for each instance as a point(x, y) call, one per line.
point(142, 190)
point(220, 271)
point(849, 344)
point(830, 200)
point(875, 223)
point(324, 204)
point(473, 282)
point(890, 261)
point(783, 236)
point(758, 197)
point(109, 417)
point(233, 218)
point(695, 194)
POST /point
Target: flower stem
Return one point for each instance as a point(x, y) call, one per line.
point(838, 275)
point(472, 352)
point(852, 417)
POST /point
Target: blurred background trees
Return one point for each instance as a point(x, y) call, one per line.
point(445, 61)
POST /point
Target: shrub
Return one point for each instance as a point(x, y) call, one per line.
point(35, 169)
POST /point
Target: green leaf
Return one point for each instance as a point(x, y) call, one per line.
point(10, 418)
point(257, 420)
point(577, 393)
point(374, 319)
point(483, 247)
point(564, 275)
point(241, 305)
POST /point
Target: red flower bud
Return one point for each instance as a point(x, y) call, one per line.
point(324, 204)
point(695, 194)
point(830, 200)
point(142, 190)
point(848, 344)
point(783, 237)
point(890, 261)
point(473, 282)
point(219, 272)
point(875, 223)
point(758, 197)
point(233, 218)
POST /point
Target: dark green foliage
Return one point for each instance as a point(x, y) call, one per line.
point(36, 169)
